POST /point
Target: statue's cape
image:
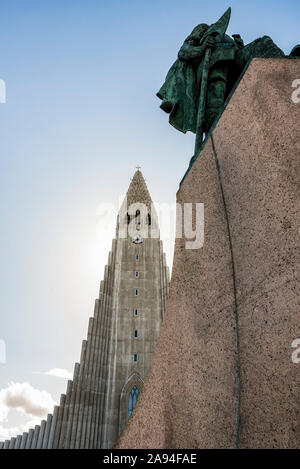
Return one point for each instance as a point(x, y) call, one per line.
point(179, 96)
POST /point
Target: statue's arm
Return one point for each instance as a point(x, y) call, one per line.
point(189, 52)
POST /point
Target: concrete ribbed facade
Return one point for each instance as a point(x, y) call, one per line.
point(121, 338)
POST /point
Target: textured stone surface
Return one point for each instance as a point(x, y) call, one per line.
point(190, 396)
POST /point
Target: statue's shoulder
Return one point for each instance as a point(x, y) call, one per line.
point(225, 40)
point(229, 39)
point(224, 50)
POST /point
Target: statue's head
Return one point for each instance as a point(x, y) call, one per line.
point(198, 31)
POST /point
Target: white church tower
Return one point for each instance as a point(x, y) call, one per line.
point(121, 339)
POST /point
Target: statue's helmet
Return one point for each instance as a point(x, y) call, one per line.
point(198, 31)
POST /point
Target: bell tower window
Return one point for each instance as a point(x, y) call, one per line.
point(138, 217)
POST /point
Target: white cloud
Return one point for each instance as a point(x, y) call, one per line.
point(7, 433)
point(59, 373)
point(26, 399)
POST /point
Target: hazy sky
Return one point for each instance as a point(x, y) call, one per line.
point(81, 113)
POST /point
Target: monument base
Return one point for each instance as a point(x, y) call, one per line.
point(223, 373)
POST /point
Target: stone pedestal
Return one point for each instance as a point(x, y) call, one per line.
point(243, 280)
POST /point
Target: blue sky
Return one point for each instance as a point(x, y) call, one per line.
point(81, 113)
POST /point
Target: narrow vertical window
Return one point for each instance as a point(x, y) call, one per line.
point(138, 217)
point(135, 357)
point(135, 333)
point(136, 312)
point(136, 292)
point(136, 274)
point(137, 257)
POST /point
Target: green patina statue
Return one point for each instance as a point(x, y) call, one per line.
point(209, 64)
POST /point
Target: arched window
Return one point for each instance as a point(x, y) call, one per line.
point(134, 393)
point(129, 395)
point(149, 219)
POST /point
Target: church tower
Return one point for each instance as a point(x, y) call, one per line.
point(139, 292)
point(121, 339)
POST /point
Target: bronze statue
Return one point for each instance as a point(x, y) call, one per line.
point(208, 66)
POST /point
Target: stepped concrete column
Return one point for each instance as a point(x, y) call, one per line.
point(47, 431)
point(69, 423)
point(29, 439)
point(78, 395)
point(59, 421)
point(35, 437)
point(41, 435)
point(18, 442)
point(12, 443)
point(65, 415)
point(52, 428)
point(24, 439)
